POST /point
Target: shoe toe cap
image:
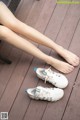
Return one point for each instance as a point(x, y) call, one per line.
point(62, 82)
point(58, 94)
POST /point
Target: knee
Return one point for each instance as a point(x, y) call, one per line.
point(12, 24)
point(4, 31)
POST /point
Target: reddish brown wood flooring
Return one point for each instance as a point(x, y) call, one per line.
point(61, 23)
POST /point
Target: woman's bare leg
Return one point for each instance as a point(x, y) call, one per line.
point(12, 38)
point(11, 22)
point(14, 24)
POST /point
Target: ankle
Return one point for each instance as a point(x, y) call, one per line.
point(59, 49)
point(49, 60)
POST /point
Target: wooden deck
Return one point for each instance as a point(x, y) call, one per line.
point(62, 24)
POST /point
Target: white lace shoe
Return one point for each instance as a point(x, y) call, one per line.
point(49, 94)
point(57, 79)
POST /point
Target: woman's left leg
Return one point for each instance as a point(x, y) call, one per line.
point(19, 42)
point(19, 27)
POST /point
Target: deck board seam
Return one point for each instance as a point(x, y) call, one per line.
point(70, 94)
point(74, 33)
point(21, 85)
point(9, 79)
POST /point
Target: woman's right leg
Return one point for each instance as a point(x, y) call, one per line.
point(21, 43)
point(20, 28)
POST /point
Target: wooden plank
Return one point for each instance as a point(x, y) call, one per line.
point(14, 84)
point(69, 26)
point(8, 70)
point(35, 12)
point(72, 112)
point(57, 109)
point(73, 108)
point(56, 21)
point(4, 50)
point(2, 47)
point(24, 9)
